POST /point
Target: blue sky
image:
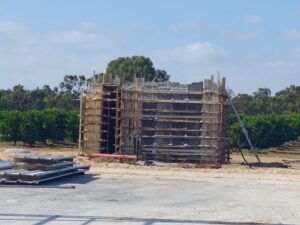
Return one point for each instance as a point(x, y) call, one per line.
point(253, 43)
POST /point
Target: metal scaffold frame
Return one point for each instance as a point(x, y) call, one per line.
point(156, 120)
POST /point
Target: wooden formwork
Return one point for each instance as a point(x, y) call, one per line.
point(91, 121)
point(159, 121)
point(98, 119)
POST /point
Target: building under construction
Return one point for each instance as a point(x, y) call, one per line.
point(156, 120)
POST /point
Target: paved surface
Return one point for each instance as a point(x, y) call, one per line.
point(152, 201)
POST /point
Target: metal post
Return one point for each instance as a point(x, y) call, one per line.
point(79, 151)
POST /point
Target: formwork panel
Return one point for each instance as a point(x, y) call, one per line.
point(157, 120)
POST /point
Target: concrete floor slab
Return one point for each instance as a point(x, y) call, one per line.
point(152, 201)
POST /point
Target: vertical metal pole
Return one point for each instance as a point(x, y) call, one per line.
point(108, 124)
point(79, 151)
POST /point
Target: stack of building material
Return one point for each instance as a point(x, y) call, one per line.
point(291, 147)
point(4, 165)
point(35, 168)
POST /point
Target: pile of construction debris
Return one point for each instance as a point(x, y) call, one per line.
point(291, 147)
point(36, 168)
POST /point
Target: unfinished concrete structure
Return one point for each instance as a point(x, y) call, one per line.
point(156, 120)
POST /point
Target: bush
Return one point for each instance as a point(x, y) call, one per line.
point(9, 126)
point(56, 125)
point(72, 125)
point(31, 126)
point(265, 130)
point(38, 126)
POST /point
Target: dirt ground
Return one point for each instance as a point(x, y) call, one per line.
point(235, 169)
point(45, 150)
point(122, 193)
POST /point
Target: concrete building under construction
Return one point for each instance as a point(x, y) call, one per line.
point(156, 120)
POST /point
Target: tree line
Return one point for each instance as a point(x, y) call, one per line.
point(265, 131)
point(66, 95)
point(33, 126)
point(262, 102)
point(269, 119)
point(52, 113)
point(56, 125)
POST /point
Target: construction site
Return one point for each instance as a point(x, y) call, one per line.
point(159, 121)
point(161, 112)
point(151, 153)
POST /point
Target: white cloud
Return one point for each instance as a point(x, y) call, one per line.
point(253, 19)
point(71, 37)
point(292, 35)
point(36, 58)
point(192, 53)
point(190, 62)
point(11, 27)
point(183, 26)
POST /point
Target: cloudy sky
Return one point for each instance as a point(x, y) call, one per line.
point(253, 43)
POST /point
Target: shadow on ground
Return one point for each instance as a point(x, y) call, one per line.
point(64, 182)
point(74, 179)
point(38, 219)
point(267, 165)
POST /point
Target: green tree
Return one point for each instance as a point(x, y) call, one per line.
point(128, 67)
point(9, 126)
point(265, 130)
point(53, 125)
point(161, 75)
point(98, 78)
point(31, 127)
point(72, 125)
point(72, 83)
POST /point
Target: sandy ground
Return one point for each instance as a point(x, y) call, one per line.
point(234, 170)
point(120, 193)
point(231, 171)
point(46, 150)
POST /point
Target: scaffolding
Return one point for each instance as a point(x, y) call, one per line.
point(156, 120)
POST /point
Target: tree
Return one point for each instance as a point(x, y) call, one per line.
point(72, 125)
point(19, 97)
point(288, 100)
point(31, 126)
point(244, 103)
point(262, 102)
point(161, 75)
point(9, 126)
point(262, 99)
point(262, 93)
point(72, 83)
point(96, 78)
point(265, 130)
point(128, 67)
point(53, 124)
